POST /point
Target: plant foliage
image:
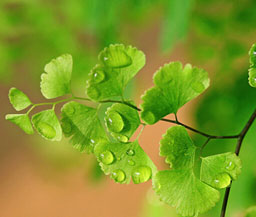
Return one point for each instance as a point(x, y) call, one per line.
point(110, 140)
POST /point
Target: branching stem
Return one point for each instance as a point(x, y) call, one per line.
point(239, 137)
point(237, 151)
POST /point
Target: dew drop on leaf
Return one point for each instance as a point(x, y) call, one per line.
point(46, 130)
point(230, 166)
point(222, 180)
point(130, 152)
point(131, 162)
point(198, 87)
point(149, 117)
point(141, 174)
point(122, 138)
point(116, 59)
point(98, 76)
point(118, 175)
point(115, 122)
point(107, 157)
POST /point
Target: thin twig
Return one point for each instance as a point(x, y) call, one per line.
point(238, 148)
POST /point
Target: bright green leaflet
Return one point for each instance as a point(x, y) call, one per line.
point(125, 161)
point(178, 148)
point(118, 64)
point(122, 121)
point(82, 124)
point(174, 86)
point(182, 190)
point(47, 125)
point(18, 99)
point(252, 69)
point(218, 170)
point(22, 120)
point(251, 212)
point(56, 81)
point(180, 187)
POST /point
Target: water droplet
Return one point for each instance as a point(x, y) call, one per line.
point(122, 138)
point(141, 174)
point(46, 130)
point(98, 76)
point(107, 157)
point(222, 181)
point(115, 122)
point(254, 52)
point(148, 117)
point(198, 87)
point(66, 127)
point(131, 162)
point(130, 152)
point(93, 93)
point(118, 175)
point(230, 166)
point(116, 58)
point(157, 186)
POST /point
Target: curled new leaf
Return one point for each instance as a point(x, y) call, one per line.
point(47, 125)
point(56, 81)
point(219, 170)
point(22, 120)
point(122, 121)
point(82, 124)
point(174, 86)
point(118, 64)
point(124, 161)
point(18, 99)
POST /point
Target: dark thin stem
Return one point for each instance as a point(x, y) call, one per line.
point(238, 148)
point(199, 132)
point(203, 146)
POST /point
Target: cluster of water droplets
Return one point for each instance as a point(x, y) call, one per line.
point(115, 124)
point(139, 173)
point(112, 58)
point(223, 179)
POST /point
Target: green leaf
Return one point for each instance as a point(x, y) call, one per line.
point(56, 81)
point(180, 187)
point(252, 69)
point(182, 190)
point(18, 99)
point(174, 86)
point(178, 148)
point(82, 124)
point(122, 121)
point(22, 120)
point(124, 161)
point(118, 64)
point(218, 170)
point(251, 212)
point(47, 125)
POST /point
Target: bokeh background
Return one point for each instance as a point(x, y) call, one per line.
point(46, 179)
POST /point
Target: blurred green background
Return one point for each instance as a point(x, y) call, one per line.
point(39, 178)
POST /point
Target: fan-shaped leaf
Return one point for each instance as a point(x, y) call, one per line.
point(82, 124)
point(125, 161)
point(56, 81)
point(174, 86)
